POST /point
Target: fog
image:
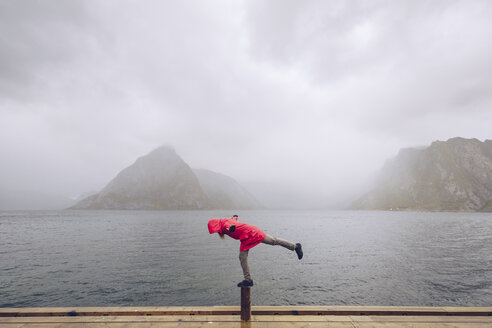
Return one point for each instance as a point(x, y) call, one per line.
point(301, 102)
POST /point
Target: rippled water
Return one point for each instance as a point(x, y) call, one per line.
point(130, 258)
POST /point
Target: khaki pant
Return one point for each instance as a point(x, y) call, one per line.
point(243, 256)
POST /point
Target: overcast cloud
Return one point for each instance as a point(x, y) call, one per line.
point(300, 101)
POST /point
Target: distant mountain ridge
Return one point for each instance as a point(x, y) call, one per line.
point(452, 175)
point(161, 180)
point(224, 192)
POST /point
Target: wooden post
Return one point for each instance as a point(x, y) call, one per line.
point(245, 303)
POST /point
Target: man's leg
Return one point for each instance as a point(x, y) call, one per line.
point(284, 243)
point(243, 258)
point(277, 241)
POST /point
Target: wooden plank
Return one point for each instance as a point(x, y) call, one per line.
point(120, 319)
point(256, 321)
point(274, 318)
point(352, 310)
point(251, 324)
point(238, 324)
point(256, 310)
point(420, 325)
point(112, 311)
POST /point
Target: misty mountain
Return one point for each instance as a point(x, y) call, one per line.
point(224, 192)
point(161, 180)
point(453, 175)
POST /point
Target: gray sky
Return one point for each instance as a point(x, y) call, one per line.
point(300, 101)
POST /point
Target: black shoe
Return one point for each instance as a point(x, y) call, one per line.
point(298, 250)
point(245, 283)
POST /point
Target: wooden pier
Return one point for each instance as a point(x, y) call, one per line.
point(247, 316)
point(261, 317)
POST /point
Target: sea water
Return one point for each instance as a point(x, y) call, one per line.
point(168, 258)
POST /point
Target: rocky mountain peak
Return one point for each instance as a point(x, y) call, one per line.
point(158, 180)
point(452, 175)
point(162, 180)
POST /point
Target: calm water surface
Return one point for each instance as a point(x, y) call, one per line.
point(140, 258)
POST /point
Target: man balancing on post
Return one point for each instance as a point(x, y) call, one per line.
point(250, 236)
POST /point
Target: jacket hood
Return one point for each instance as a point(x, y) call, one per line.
point(214, 226)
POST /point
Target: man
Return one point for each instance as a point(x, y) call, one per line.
point(250, 236)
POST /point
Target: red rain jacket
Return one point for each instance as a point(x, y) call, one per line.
point(248, 234)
